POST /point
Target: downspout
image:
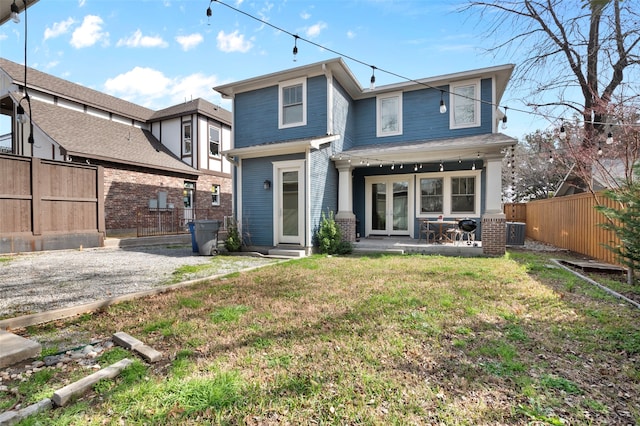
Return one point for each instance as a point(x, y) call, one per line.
point(307, 201)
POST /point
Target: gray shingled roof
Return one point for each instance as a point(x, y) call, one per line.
point(98, 138)
point(199, 106)
point(47, 83)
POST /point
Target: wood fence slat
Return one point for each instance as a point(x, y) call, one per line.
point(570, 222)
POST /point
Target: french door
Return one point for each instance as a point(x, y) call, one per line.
point(389, 201)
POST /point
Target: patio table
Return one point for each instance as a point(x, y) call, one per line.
point(441, 226)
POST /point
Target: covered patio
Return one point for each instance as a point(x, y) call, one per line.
point(407, 245)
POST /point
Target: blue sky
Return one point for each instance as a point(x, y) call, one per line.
point(158, 53)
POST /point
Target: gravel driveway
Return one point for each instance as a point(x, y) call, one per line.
point(42, 281)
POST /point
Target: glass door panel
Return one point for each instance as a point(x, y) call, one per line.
point(290, 207)
point(379, 207)
point(400, 206)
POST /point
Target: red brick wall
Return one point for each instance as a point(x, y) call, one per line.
point(127, 190)
point(494, 234)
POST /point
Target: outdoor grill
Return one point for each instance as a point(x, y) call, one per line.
point(467, 225)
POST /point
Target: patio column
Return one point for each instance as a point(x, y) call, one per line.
point(494, 226)
point(345, 219)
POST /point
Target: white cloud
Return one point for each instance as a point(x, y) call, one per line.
point(314, 30)
point(138, 40)
point(151, 88)
point(193, 86)
point(139, 82)
point(351, 34)
point(233, 42)
point(188, 42)
point(305, 15)
point(58, 28)
point(3, 37)
point(81, 3)
point(89, 33)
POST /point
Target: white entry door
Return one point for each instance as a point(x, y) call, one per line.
point(389, 201)
point(289, 205)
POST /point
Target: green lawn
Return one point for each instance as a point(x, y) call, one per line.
point(373, 340)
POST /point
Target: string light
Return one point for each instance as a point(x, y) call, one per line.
point(504, 119)
point(373, 78)
point(609, 138)
point(295, 47)
point(599, 149)
point(209, 12)
point(443, 107)
point(441, 167)
point(550, 156)
point(563, 132)
point(15, 12)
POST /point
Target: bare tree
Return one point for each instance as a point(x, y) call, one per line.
point(579, 51)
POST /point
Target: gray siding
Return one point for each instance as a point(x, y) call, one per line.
point(256, 115)
point(324, 186)
point(421, 118)
point(257, 208)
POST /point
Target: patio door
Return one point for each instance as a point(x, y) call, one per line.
point(289, 214)
point(388, 205)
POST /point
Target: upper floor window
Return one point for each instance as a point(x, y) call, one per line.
point(465, 104)
point(389, 114)
point(292, 109)
point(214, 141)
point(186, 138)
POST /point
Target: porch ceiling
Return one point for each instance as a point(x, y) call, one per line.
point(425, 151)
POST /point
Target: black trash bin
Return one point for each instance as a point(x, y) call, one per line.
point(192, 231)
point(207, 236)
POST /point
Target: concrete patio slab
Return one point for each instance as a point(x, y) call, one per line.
point(14, 349)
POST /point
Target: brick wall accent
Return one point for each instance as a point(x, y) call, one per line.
point(494, 234)
point(347, 228)
point(127, 190)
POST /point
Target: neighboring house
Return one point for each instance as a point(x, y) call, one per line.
point(311, 140)
point(167, 159)
point(606, 173)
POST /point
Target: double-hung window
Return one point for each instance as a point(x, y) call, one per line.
point(449, 194)
point(389, 114)
point(465, 104)
point(292, 103)
point(463, 194)
point(186, 138)
point(214, 141)
point(215, 195)
point(431, 193)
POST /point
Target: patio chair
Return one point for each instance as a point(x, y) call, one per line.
point(429, 234)
point(454, 233)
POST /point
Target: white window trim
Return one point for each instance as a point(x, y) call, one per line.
point(281, 86)
point(379, 99)
point(184, 140)
point(217, 192)
point(447, 193)
point(452, 104)
point(209, 127)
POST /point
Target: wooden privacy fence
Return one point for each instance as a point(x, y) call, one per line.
point(570, 222)
point(47, 205)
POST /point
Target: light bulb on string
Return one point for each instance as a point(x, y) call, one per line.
point(373, 78)
point(550, 157)
point(609, 138)
point(563, 133)
point(599, 149)
point(443, 107)
point(504, 119)
point(415, 168)
point(441, 167)
point(295, 47)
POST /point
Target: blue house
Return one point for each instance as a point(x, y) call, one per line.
point(310, 140)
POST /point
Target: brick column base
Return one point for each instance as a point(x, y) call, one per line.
point(494, 234)
point(347, 226)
